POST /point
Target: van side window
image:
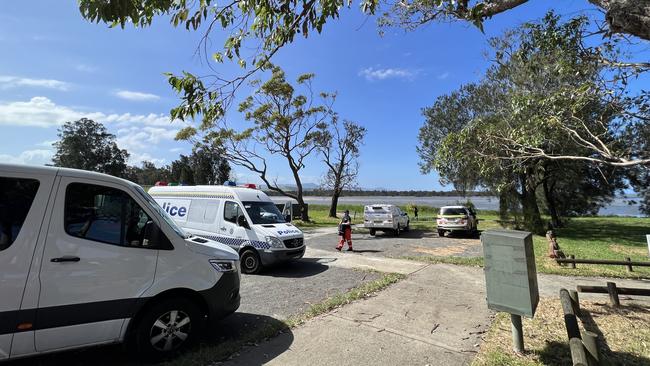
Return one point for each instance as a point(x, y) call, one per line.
point(104, 214)
point(230, 211)
point(16, 197)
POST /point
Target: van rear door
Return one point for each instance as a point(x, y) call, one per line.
point(96, 264)
point(23, 200)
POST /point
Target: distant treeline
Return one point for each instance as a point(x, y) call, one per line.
point(356, 193)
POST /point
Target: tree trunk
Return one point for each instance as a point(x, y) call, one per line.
point(627, 16)
point(532, 218)
point(550, 204)
point(503, 205)
point(335, 201)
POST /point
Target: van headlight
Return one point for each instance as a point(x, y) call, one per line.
point(224, 265)
point(274, 242)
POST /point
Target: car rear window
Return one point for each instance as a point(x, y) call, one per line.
point(16, 198)
point(452, 211)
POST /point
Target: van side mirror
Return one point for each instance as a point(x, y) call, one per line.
point(241, 221)
point(154, 238)
point(287, 218)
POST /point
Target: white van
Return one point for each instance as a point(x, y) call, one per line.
point(244, 218)
point(385, 217)
point(89, 259)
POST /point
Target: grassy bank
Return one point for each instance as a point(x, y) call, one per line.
point(624, 336)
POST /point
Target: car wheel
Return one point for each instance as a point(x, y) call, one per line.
point(373, 232)
point(441, 233)
point(250, 262)
point(167, 328)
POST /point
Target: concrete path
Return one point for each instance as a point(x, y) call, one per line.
point(432, 317)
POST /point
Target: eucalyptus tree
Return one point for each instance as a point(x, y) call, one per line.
point(340, 152)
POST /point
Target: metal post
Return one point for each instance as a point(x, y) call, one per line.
point(590, 340)
point(629, 266)
point(573, 264)
point(575, 301)
point(517, 333)
point(613, 294)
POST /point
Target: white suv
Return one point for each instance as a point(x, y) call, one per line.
point(456, 218)
point(384, 217)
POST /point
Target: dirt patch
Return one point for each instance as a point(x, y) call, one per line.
point(624, 336)
point(442, 252)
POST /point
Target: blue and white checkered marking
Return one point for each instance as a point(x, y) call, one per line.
point(236, 242)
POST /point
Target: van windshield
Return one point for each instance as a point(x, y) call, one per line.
point(263, 212)
point(156, 207)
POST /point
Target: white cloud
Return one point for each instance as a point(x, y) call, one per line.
point(136, 158)
point(176, 149)
point(136, 96)
point(85, 68)
point(42, 112)
point(443, 76)
point(31, 157)
point(9, 82)
point(140, 140)
point(47, 143)
point(372, 74)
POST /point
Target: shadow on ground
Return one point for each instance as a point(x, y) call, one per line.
point(217, 344)
point(305, 267)
point(558, 353)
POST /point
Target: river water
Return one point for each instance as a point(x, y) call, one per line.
point(618, 206)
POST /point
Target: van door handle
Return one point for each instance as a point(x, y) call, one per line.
point(65, 258)
point(223, 229)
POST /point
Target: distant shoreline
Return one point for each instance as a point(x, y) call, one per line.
point(618, 206)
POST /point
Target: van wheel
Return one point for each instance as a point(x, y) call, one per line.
point(373, 232)
point(250, 262)
point(167, 328)
point(441, 233)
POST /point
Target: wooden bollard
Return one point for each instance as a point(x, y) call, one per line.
point(629, 266)
point(578, 353)
point(575, 300)
point(573, 264)
point(613, 294)
point(590, 340)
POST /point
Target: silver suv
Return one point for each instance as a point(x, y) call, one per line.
point(456, 218)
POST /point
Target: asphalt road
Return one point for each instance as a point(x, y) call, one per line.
point(269, 297)
point(411, 243)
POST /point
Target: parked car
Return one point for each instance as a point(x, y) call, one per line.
point(385, 217)
point(243, 218)
point(89, 259)
point(456, 218)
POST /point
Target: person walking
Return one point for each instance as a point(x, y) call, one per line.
point(415, 212)
point(345, 231)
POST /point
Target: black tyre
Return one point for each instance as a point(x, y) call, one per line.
point(167, 328)
point(373, 232)
point(250, 262)
point(441, 233)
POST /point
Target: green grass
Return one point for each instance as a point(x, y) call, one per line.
point(204, 354)
point(461, 261)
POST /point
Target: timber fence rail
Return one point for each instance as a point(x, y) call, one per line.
point(583, 344)
point(614, 291)
point(572, 261)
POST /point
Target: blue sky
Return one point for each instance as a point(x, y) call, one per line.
point(57, 67)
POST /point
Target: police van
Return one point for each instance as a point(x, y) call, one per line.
point(244, 218)
point(89, 259)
